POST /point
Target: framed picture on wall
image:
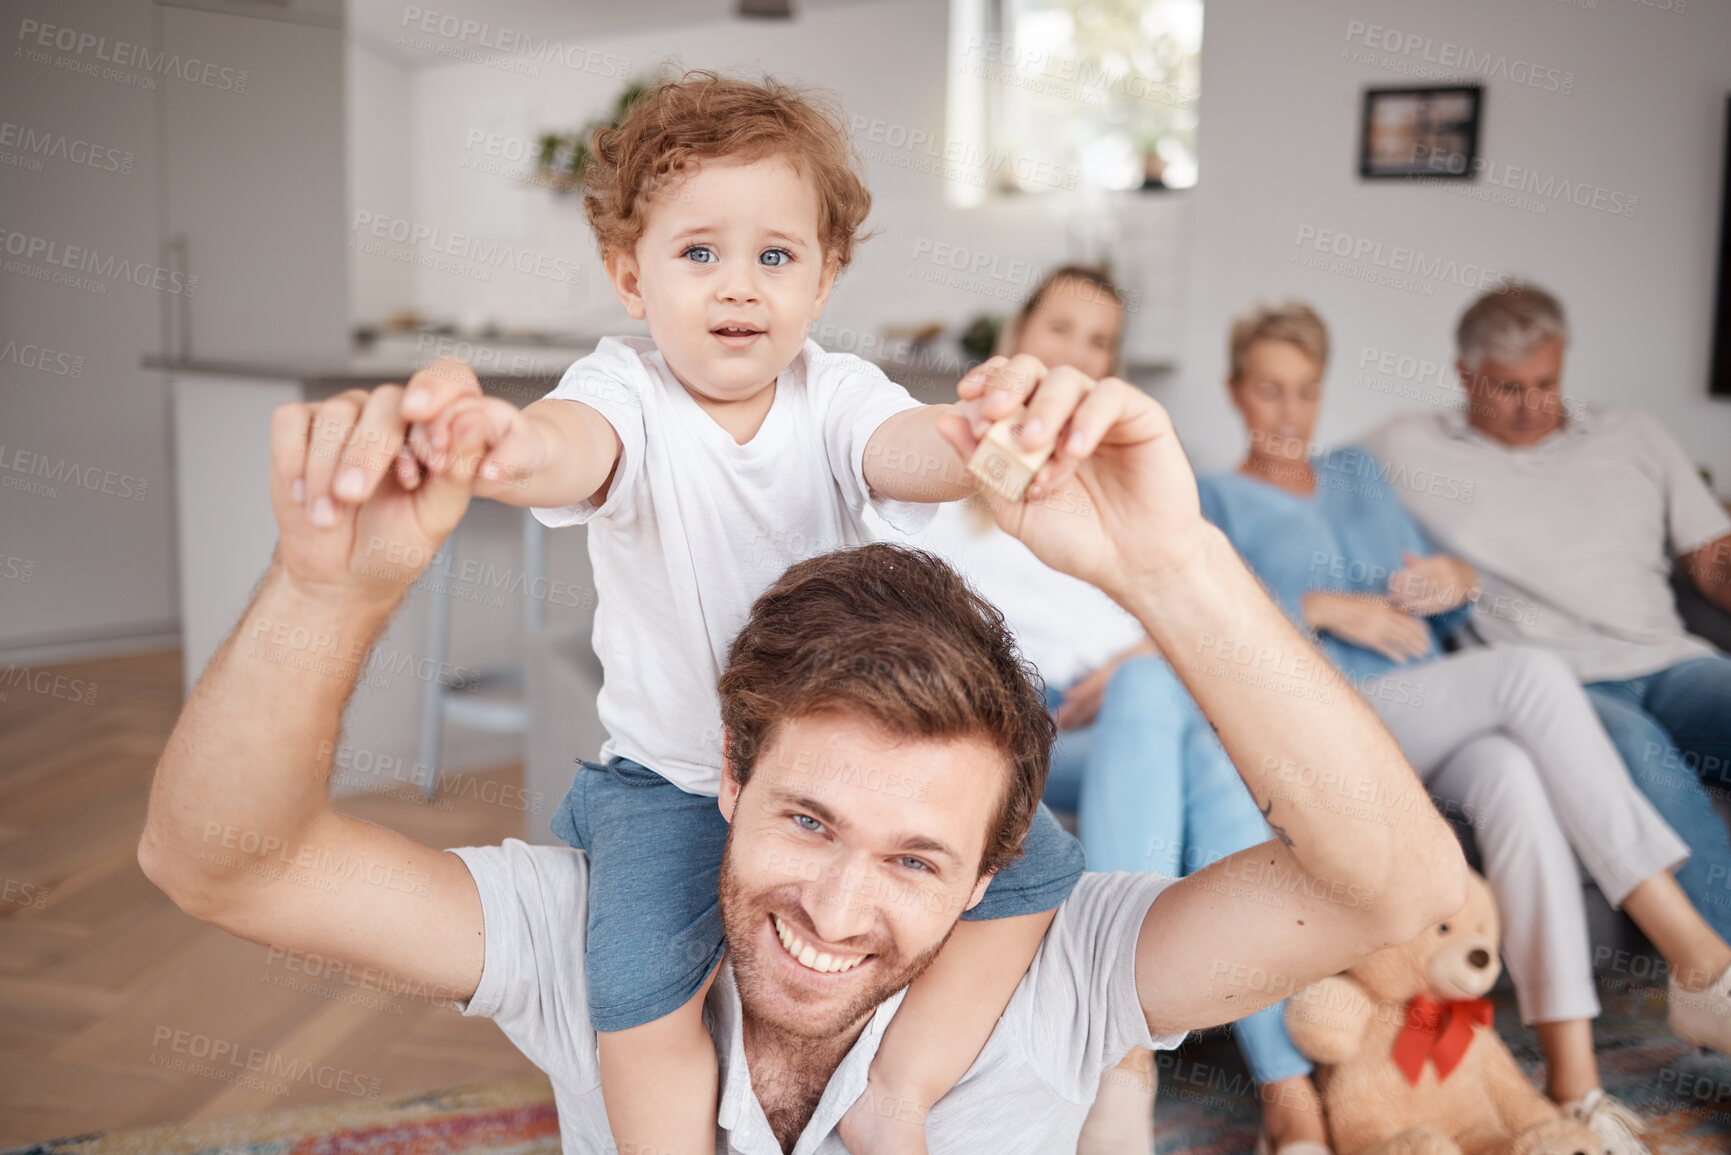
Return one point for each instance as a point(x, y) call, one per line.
point(1420, 132)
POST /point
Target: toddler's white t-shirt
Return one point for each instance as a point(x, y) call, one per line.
point(696, 526)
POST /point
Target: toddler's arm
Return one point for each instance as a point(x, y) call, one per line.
point(556, 452)
point(941, 1028)
point(908, 460)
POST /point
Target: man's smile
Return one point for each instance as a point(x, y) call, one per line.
point(808, 956)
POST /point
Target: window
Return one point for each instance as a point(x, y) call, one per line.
point(1068, 94)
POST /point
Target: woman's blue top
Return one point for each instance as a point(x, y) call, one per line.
point(1347, 537)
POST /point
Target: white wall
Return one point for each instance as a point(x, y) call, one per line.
point(1645, 119)
point(98, 564)
point(376, 117)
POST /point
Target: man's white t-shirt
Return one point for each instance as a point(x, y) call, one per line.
point(1074, 1016)
point(1573, 537)
point(696, 526)
point(1063, 625)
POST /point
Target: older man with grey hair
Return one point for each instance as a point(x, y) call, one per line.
point(1576, 521)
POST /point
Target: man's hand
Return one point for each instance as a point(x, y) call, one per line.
point(1430, 585)
point(371, 548)
point(1369, 622)
point(1116, 503)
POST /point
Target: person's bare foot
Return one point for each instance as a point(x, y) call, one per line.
point(1292, 1113)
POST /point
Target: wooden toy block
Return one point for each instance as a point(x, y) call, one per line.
point(1000, 462)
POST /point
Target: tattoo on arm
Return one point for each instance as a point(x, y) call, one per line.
point(1279, 830)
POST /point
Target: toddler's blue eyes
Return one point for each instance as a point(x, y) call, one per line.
point(704, 255)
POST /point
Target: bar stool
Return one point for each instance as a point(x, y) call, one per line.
point(494, 700)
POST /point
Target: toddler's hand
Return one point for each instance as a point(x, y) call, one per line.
point(435, 398)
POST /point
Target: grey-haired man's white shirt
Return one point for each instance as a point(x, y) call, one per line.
point(1573, 537)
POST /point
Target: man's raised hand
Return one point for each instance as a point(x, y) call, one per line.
point(374, 548)
point(1116, 503)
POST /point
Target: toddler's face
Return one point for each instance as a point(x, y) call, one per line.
point(730, 273)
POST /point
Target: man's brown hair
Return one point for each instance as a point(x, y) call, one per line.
point(895, 635)
point(705, 116)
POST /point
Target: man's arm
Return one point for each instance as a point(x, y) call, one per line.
point(1710, 566)
point(240, 831)
point(1360, 858)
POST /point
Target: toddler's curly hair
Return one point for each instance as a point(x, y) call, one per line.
point(703, 115)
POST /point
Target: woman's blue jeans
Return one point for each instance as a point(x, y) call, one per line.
point(1158, 793)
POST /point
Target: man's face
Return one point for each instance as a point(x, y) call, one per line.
point(729, 272)
point(850, 856)
point(1517, 403)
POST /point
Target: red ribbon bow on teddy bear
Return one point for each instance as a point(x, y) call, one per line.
point(1440, 1032)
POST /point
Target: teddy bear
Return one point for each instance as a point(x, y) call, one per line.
point(1409, 1061)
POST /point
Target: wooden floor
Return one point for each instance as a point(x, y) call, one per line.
point(98, 968)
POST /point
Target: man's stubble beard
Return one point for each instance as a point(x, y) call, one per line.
point(742, 914)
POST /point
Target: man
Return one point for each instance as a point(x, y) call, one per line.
point(872, 709)
point(1574, 525)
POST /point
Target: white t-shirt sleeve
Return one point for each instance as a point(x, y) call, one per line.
point(1087, 1014)
point(611, 381)
point(534, 904)
point(856, 398)
point(1693, 516)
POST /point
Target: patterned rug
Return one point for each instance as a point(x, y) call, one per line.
point(1206, 1104)
point(515, 1118)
